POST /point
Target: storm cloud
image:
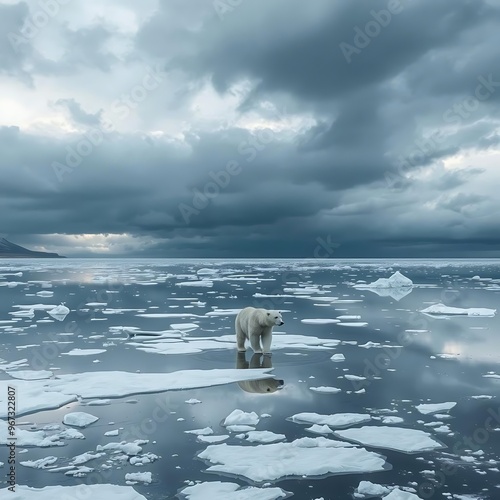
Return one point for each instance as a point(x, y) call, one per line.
point(251, 129)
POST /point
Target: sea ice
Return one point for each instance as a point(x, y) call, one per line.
point(397, 494)
point(107, 491)
point(319, 321)
point(59, 312)
point(239, 417)
point(441, 309)
point(369, 489)
point(264, 437)
point(397, 280)
point(391, 438)
point(338, 358)
point(336, 420)
point(304, 457)
point(230, 491)
point(31, 374)
point(142, 477)
point(326, 390)
point(427, 409)
point(84, 352)
point(79, 419)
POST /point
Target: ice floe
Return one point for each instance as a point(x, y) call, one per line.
point(107, 491)
point(325, 389)
point(391, 438)
point(239, 417)
point(319, 321)
point(59, 312)
point(230, 491)
point(79, 419)
point(336, 420)
point(429, 408)
point(442, 310)
point(300, 458)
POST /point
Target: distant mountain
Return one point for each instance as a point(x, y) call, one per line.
point(10, 250)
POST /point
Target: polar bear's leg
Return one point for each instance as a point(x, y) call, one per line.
point(240, 338)
point(255, 341)
point(267, 337)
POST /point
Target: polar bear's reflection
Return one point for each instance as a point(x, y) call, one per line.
point(266, 385)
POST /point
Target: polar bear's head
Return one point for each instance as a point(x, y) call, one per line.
point(274, 318)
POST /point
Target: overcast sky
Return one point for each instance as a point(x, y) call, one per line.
point(251, 128)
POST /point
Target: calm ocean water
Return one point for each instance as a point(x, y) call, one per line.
point(406, 358)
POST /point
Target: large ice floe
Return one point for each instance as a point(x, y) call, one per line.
point(396, 286)
point(302, 457)
point(230, 491)
point(442, 310)
point(97, 491)
point(336, 420)
point(39, 395)
point(430, 408)
point(391, 438)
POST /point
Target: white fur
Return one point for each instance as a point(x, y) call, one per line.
point(256, 324)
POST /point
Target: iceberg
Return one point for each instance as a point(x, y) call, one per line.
point(396, 286)
point(441, 309)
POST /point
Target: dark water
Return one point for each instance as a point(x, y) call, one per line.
point(398, 378)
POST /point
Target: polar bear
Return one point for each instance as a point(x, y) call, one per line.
point(254, 324)
point(262, 386)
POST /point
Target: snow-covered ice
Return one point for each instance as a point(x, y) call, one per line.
point(79, 419)
point(429, 408)
point(97, 491)
point(442, 310)
point(391, 438)
point(336, 420)
point(302, 457)
point(230, 491)
point(239, 417)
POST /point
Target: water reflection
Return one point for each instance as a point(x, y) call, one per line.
point(267, 385)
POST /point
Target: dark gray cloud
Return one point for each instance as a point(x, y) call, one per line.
point(262, 137)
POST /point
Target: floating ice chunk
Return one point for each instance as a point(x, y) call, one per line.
point(391, 438)
point(391, 420)
point(139, 477)
point(240, 428)
point(85, 457)
point(31, 374)
point(397, 280)
point(114, 432)
point(230, 491)
point(397, 494)
point(44, 293)
point(427, 409)
point(98, 402)
point(319, 429)
point(369, 489)
point(127, 448)
point(441, 309)
point(192, 401)
point(337, 358)
point(305, 457)
point(336, 420)
point(355, 378)
point(41, 463)
point(353, 323)
point(212, 439)
point(348, 317)
point(206, 431)
point(147, 458)
point(202, 283)
point(59, 312)
point(84, 352)
point(107, 491)
point(325, 389)
point(319, 321)
point(79, 419)
point(184, 326)
point(239, 417)
point(264, 437)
